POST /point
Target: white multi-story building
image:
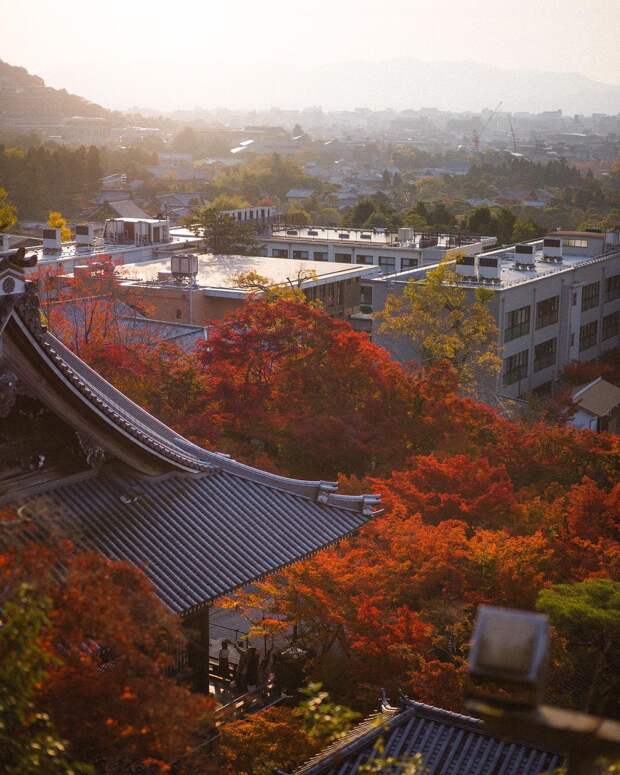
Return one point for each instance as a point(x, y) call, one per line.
point(391, 252)
point(124, 240)
point(556, 300)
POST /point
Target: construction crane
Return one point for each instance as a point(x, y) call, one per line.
point(512, 132)
point(475, 138)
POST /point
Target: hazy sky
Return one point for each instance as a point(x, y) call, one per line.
point(107, 50)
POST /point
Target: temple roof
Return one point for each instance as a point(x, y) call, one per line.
point(450, 744)
point(79, 457)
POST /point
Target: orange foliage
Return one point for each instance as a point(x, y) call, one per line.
point(108, 693)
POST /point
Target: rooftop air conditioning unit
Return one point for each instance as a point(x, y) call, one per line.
point(466, 268)
point(51, 240)
point(84, 234)
point(524, 256)
point(490, 268)
point(5, 242)
point(184, 265)
point(552, 250)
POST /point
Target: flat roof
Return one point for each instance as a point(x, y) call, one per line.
point(366, 236)
point(222, 272)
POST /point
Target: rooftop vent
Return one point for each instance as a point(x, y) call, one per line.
point(291, 231)
point(343, 235)
point(313, 233)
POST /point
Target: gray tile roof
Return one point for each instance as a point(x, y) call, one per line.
point(196, 537)
point(198, 522)
point(450, 744)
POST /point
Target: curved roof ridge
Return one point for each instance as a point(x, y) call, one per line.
point(147, 431)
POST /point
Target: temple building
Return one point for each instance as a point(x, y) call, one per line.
point(79, 459)
point(449, 744)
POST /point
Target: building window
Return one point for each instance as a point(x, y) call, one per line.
point(575, 243)
point(515, 367)
point(387, 264)
point(517, 323)
point(590, 296)
point(318, 256)
point(547, 312)
point(612, 288)
point(366, 295)
point(611, 325)
point(545, 354)
point(279, 253)
point(408, 263)
point(301, 254)
point(587, 335)
point(359, 259)
point(343, 258)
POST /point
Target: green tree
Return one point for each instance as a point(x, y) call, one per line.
point(28, 740)
point(587, 614)
point(8, 213)
point(360, 213)
point(446, 324)
point(525, 229)
point(223, 234)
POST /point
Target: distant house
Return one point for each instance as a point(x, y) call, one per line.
point(598, 407)
point(125, 208)
point(112, 195)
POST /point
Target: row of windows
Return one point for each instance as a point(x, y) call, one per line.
point(548, 311)
point(590, 296)
point(516, 366)
point(545, 353)
point(517, 323)
point(588, 333)
point(388, 263)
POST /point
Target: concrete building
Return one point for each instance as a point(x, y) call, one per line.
point(196, 288)
point(259, 215)
point(556, 301)
point(389, 252)
point(124, 240)
point(377, 247)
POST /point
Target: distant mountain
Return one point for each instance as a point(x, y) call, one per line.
point(24, 96)
point(408, 83)
point(398, 83)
